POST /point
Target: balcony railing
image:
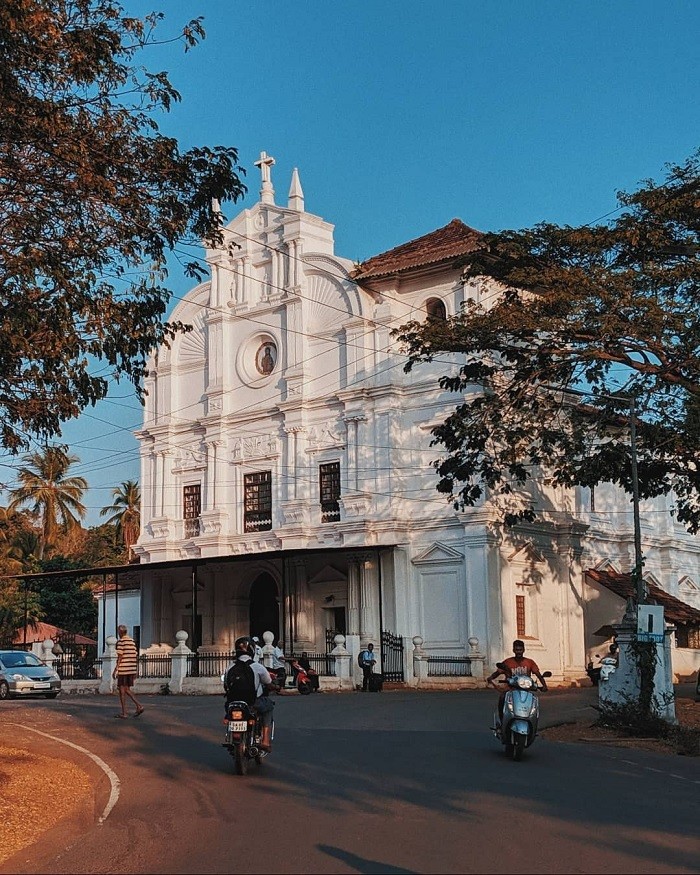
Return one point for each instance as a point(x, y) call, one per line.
point(330, 512)
point(192, 528)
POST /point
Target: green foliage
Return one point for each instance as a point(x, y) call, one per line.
point(126, 513)
point(92, 199)
point(54, 496)
point(100, 547)
point(67, 602)
point(572, 323)
point(14, 601)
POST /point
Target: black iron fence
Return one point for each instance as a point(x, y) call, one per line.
point(155, 665)
point(392, 657)
point(449, 666)
point(321, 663)
point(78, 666)
point(208, 665)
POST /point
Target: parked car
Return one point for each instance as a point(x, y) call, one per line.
point(23, 674)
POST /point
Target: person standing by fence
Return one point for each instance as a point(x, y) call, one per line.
point(125, 671)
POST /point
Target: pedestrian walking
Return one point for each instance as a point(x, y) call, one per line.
point(367, 660)
point(125, 671)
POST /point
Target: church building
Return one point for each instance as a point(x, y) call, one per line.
point(286, 459)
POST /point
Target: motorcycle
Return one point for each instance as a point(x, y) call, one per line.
point(243, 735)
point(521, 710)
point(602, 672)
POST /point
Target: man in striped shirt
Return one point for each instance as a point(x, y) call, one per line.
point(126, 670)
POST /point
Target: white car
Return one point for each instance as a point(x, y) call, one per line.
point(23, 674)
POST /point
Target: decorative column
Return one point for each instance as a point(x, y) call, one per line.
point(369, 602)
point(302, 606)
point(352, 422)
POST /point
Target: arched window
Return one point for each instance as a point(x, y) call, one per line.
point(435, 309)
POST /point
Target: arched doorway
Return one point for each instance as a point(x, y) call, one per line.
point(264, 607)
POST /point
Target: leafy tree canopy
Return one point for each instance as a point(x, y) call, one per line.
point(54, 496)
point(572, 324)
point(67, 602)
point(92, 199)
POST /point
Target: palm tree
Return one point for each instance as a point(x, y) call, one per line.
point(52, 494)
point(126, 513)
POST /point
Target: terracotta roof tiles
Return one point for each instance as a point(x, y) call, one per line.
point(445, 243)
point(675, 611)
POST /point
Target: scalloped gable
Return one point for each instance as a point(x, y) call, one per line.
point(438, 553)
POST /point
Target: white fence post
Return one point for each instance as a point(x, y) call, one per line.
point(477, 659)
point(420, 660)
point(109, 663)
point(342, 662)
point(178, 662)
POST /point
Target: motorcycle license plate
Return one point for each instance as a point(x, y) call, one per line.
point(238, 725)
point(41, 686)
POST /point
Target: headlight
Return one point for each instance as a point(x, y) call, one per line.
point(55, 677)
point(524, 682)
point(18, 677)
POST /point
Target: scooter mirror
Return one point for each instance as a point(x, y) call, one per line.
point(500, 665)
point(546, 674)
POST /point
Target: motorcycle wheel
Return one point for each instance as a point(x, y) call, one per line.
point(241, 759)
point(509, 750)
point(304, 689)
point(518, 747)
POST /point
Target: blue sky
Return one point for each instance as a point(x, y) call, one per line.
point(404, 115)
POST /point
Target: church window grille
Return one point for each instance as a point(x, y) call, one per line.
point(257, 490)
point(192, 508)
point(521, 628)
point(329, 489)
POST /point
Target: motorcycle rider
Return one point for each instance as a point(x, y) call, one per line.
point(245, 650)
point(518, 664)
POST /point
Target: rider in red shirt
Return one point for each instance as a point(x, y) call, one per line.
point(518, 664)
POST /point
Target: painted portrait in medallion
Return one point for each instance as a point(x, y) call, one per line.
point(266, 358)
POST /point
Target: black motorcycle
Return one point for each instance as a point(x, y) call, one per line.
point(243, 735)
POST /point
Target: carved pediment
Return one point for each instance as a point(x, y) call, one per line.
point(526, 555)
point(438, 554)
point(328, 574)
point(688, 585)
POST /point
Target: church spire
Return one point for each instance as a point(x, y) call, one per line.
point(296, 195)
point(267, 192)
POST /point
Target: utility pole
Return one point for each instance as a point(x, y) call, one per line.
point(641, 594)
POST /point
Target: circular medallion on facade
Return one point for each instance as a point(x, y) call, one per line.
point(257, 361)
point(266, 358)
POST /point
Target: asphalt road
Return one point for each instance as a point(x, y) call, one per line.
point(394, 782)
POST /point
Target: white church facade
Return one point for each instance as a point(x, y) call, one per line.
point(283, 432)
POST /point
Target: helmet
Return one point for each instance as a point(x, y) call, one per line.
point(244, 645)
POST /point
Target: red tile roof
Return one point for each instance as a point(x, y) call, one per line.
point(444, 244)
point(42, 631)
point(675, 611)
